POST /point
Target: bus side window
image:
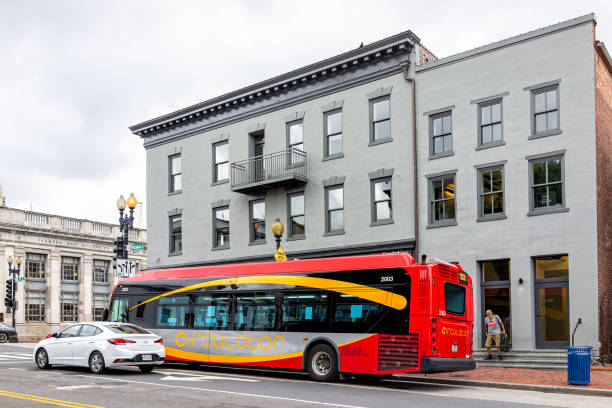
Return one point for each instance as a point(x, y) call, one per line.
point(255, 312)
point(212, 312)
point(172, 311)
point(355, 314)
point(305, 311)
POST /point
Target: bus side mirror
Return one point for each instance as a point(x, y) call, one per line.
point(105, 315)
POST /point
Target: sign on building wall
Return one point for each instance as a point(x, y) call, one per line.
point(126, 268)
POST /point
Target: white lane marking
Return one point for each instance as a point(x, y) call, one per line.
point(203, 377)
point(179, 375)
point(330, 404)
point(80, 387)
point(15, 368)
point(15, 357)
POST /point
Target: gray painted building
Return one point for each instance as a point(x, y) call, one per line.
point(361, 99)
point(505, 179)
point(522, 177)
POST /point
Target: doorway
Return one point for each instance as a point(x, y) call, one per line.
point(495, 293)
point(257, 167)
point(551, 301)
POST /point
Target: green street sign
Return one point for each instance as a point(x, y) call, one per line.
point(20, 279)
point(137, 247)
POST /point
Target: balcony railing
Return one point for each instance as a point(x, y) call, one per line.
point(269, 171)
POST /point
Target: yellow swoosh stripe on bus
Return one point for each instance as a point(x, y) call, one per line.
point(376, 295)
point(214, 358)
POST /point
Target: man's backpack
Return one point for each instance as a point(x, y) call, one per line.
point(505, 345)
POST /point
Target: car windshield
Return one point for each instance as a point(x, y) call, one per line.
point(127, 329)
point(4, 326)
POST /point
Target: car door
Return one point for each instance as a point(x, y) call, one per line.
point(84, 344)
point(60, 350)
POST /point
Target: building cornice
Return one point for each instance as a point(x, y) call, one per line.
point(381, 54)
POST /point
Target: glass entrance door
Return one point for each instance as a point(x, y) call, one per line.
point(551, 302)
point(495, 293)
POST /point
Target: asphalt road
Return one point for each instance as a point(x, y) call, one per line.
point(22, 384)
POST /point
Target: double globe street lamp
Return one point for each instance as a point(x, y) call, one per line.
point(126, 222)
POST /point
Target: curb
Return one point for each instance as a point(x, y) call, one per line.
point(511, 386)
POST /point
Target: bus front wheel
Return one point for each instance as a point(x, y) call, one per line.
point(322, 363)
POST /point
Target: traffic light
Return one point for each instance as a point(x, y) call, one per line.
point(119, 249)
point(8, 299)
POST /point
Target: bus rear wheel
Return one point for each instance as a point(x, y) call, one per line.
point(322, 363)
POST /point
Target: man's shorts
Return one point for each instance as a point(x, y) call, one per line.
point(491, 338)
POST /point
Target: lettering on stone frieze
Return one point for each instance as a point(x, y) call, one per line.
point(74, 244)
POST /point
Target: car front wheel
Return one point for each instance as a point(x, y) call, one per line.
point(322, 363)
point(42, 359)
point(96, 363)
point(3, 337)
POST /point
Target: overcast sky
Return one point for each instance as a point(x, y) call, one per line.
point(75, 74)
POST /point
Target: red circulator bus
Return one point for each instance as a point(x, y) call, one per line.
point(358, 315)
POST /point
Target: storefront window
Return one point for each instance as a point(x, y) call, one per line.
point(550, 267)
point(493, 271)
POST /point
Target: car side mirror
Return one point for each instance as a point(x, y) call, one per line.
point(55, 335)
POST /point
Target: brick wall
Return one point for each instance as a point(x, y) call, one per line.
point(603, 126)
point(424, 54)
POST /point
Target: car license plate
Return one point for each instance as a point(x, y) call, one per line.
point(147, 357)
point(454, 348)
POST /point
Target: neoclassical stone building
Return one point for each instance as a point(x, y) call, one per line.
point(66, 266)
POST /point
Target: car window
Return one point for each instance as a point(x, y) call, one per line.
point(88, 330)
point(71, 331)
point(98, 331)
point(127, 329)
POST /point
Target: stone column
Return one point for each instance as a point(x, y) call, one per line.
point(54, 288)
point(85, 289)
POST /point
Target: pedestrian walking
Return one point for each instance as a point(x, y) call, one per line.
point(494, 327)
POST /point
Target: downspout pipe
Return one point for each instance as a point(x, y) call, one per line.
point(414, 163)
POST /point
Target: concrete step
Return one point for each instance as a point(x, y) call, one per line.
point(541, 359)
point(521, 361)
point(510, 364)
point(522, 357)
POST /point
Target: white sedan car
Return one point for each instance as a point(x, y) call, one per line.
point(100, 345)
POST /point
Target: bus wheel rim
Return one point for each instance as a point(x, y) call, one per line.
point(321, 363)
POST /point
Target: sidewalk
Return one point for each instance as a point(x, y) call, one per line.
point(524, 378)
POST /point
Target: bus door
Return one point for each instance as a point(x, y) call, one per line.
point(454, 317)
point(211, 317)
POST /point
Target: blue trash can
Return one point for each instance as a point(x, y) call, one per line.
point(579, 365)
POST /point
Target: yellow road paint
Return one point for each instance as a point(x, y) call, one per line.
point(45, 400)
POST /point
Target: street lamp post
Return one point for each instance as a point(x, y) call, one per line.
point(277, 230)
point(126, 222)
point(13, 272)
